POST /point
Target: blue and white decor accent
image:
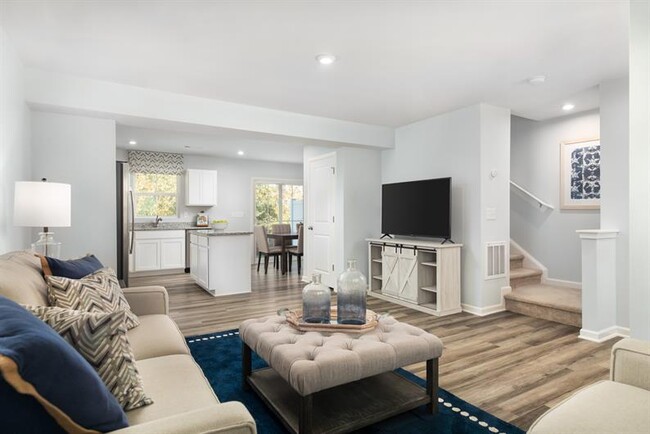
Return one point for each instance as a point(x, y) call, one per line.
point(580, 174)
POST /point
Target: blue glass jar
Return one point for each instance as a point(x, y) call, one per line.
point(316, 302)
point(351, 290)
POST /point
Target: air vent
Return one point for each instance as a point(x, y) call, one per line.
point(496, 260)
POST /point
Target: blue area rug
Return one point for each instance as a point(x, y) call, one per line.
point(219, 355)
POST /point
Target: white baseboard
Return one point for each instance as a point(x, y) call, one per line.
point(605, 334)
point(483, 311)
point(562, 283)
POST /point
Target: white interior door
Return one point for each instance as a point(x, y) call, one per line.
point(320, 196)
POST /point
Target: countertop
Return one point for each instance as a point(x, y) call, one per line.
point(212, 233)
point(173, 226)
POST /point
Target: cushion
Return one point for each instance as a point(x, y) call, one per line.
point(157, 335)
point(38, 363)
point(21, 279)
point(97, 292)
point(71, 268)
point(606, 407)
point(176, 384)
point(101, 339)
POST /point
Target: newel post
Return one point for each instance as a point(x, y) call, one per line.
point(598, 284)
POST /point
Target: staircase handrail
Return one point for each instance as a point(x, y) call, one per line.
point(539, 201)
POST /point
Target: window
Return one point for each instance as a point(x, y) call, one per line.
point(155, 195)
point(278, 203)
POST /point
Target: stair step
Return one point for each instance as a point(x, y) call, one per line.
point(521, 273)
point(563, 305)
point(516, 257)
point(516, 261)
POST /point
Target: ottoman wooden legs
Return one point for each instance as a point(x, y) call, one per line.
point(306, 406)
point(432, 385)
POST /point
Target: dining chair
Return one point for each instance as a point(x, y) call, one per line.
point(280, 228)
point(297, 251)
point(263, 248)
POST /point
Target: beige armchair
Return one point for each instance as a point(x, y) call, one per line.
point(617, 406)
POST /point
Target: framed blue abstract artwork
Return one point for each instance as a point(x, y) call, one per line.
point(580, 174)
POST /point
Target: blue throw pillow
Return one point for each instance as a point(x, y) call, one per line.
point(72, 268)
point(41, 375)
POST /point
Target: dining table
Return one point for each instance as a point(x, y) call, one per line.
point(284, 240)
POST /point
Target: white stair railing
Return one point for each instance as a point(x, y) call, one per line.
point(527, 193)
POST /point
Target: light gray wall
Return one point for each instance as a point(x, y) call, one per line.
point(235, 186)
point(80, 151)
point(447, 145)
point(615, 176)
point(550, 236)
point(14, 145)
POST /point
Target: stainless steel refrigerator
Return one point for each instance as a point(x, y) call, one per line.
point(125, 221)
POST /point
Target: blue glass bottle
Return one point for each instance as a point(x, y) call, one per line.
point(316, 302)
point(351, 290)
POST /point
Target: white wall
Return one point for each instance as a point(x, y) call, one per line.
point(615, 170)
point(548, 235)
point(360, 179)
point(80, 151)
point(14, 145)
point(639, 169)
point(447, 145)
point(495, 190)
point(235, 186)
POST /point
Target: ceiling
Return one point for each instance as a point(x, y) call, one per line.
point(398, 61)
point(215, 143)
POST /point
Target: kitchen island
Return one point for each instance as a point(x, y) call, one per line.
point(220, 261)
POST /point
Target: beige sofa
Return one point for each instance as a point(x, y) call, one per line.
point(183, 399)
point(617, 406)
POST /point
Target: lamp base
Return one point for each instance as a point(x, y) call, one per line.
point(46, 245)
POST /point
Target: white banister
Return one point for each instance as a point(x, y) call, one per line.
point(539, 201)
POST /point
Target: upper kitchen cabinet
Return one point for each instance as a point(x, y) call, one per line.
point(200, 187)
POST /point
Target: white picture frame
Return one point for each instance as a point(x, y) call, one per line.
point(580, 184)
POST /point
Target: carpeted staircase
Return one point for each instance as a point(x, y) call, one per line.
point(531, 297)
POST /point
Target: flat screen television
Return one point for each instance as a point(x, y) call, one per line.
point(417, 208)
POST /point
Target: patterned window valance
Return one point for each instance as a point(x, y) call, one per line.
point(163, 163)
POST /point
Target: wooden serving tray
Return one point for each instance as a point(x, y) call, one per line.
point(294, 319)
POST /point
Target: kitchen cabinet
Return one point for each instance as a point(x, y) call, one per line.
point(220, 262)
point(200, 187)
point(159, 250)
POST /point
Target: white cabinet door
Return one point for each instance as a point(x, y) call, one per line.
point(390, 271)
point(408, 275)
point(172, 253)
point(202, 266)
point(200, 187)
point(147, 255)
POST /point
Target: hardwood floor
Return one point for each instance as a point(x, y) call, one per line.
point(513, 366)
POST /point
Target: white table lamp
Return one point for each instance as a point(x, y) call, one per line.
point(43, 204)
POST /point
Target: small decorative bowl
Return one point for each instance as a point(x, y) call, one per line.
point(219, 226)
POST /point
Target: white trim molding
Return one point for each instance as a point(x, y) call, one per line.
point(605, 334)
point(483, 311)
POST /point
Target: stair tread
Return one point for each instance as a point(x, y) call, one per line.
point(518, 273)
point(516, 257)
point(567, 299)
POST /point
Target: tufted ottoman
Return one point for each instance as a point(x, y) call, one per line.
point(337, 382)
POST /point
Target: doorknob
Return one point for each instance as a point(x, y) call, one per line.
point(311, 228)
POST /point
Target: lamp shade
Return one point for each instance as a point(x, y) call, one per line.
point(40, 204)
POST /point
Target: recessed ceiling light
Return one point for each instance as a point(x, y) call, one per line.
point(187, 147)
point(326, 58)
point(568, 106)
point(240, 152)
point(132, 142)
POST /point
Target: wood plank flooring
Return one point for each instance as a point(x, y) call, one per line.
point(513, 366)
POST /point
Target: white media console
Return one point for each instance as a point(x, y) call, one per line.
point(423, 275)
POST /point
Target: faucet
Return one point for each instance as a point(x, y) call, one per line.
point(158, 220)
